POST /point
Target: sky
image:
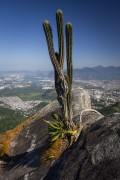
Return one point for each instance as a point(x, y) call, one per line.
point(96, 32)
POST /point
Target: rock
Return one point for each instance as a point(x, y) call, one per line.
point(90, 117)
point(95, 155)
point(26, 148)
point(81, 100)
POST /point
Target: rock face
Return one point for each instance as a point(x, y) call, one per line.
point(81, 100)
point(95, 155)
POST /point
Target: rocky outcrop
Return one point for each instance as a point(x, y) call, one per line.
point(81, 100)
point(95, 155)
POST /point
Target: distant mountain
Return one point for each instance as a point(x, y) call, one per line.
point(98, 73)
point(86, 73)
point(95, 73)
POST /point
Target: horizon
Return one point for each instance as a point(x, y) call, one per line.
point(52, 70)
point(96, 33)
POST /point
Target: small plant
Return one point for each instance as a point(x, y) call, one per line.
point(57, 129)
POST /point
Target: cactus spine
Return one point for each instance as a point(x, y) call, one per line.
point(63, 81)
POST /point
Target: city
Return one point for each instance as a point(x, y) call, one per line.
point(99, 90)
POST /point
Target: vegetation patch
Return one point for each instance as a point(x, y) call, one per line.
point(54, 150)
point(33, 92)
point(110, 109)
point(9, 119)
point(59, 139)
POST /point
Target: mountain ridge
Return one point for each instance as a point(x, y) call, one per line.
point(85, 73)
point(96, 73)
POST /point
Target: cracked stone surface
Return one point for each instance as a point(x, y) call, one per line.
point(95, 155)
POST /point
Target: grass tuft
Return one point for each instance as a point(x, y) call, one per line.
point(54, 151)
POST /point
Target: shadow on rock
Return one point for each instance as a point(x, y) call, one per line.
point(28, 159)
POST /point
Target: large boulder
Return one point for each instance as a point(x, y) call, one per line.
point(95, 155)
point(81, 100)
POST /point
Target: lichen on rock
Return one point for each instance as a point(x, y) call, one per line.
point(6, 140)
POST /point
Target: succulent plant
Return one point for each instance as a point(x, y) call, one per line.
point(63, 81)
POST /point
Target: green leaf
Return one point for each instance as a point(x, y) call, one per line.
point(53, 125)
point(62, 135)
point(56, 116)
point(48, 122)
point(71, 132)
point(55, 137)
point(51, 157)
point(54, 133)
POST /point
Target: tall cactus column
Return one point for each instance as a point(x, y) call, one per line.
point(69, 67)
point(63, 81)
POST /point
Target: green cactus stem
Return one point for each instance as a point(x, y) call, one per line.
point(63, 81)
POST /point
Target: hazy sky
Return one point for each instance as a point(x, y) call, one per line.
point(96, 32)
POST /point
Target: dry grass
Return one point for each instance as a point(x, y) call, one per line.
point(54, 150)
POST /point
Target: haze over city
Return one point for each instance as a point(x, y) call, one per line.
point(96, 32)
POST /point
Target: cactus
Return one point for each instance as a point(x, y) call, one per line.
point(63, 81)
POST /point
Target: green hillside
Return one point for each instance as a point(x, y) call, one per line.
point(9, 119)
point(110, 109)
